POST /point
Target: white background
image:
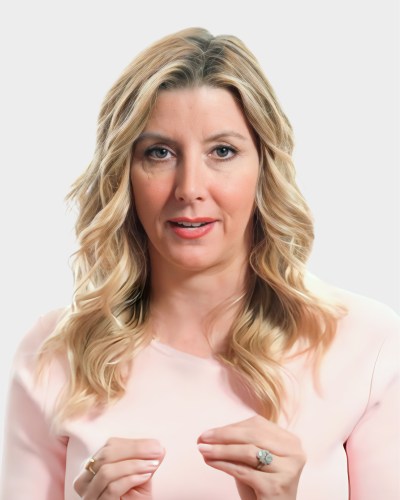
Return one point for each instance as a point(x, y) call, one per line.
point(334, 68)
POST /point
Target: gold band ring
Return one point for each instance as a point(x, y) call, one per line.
point(89, 465)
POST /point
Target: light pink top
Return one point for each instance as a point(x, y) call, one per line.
point(174, 396)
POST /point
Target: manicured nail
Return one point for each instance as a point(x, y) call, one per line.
point(207, 435)
point(154, 463)
point(204, 447)
point(156, 449)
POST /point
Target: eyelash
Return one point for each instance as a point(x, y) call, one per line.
point(150, 151)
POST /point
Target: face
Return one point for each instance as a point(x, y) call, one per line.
point(194, 174)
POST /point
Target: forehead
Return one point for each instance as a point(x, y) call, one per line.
point(204, 108)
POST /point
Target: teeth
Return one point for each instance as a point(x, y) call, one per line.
point(190, 224)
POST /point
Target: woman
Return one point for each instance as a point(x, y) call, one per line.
point(197, 360)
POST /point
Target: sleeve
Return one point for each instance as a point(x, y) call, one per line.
point(33, 463)
point(373, 448)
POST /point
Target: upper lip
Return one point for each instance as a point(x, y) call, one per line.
point(194, 219)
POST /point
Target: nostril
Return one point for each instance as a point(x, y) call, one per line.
point(188, 195)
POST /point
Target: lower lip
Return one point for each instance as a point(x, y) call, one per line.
point(192, 233)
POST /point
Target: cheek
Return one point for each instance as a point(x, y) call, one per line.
point(150, 196)
point(239, 197)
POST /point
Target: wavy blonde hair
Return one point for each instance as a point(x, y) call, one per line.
point(104, 328)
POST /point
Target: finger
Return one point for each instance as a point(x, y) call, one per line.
point(93, 486)
point(279, 484)
point(111, 473)
point(122, 486)
point(262, 484)
point(255, 430)
point(246, 475)
point(244, 454)
point(119, 449)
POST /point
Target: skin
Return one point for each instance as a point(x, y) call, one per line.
point(233, 449)
point(199, 176)
point(191, 174)
point(197, 157)
point(123, 468)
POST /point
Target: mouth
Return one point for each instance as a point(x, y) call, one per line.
point(187, 223)
point(191, 228)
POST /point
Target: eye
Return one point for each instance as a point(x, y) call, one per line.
point(157, 153)
point(224, 152)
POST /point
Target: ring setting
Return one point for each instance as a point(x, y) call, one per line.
point(264, 457)
point(89, 465)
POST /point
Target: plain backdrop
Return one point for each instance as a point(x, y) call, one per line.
point(333, 64)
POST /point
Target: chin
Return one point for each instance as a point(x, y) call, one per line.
point(193, 264)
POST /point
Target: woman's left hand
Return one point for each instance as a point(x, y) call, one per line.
point(233, 449)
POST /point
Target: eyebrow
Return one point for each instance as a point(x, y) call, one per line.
point(214, 137)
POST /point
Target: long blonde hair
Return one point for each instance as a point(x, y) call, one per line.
point(104, 328)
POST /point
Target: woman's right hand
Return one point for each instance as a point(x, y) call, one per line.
point(123, 470)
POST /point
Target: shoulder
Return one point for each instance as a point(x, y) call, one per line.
point(371, 333)
point(366, 346)
point(367, 318)
point(27, 380)
point(43, 328)
point(367, 340)
point(26, 356)
point(367, 335)
point(364, 318)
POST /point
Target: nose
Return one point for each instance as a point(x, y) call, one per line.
point(190, 183)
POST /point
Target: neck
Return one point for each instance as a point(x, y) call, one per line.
point(194, 311)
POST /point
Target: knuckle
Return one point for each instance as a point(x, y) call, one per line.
point(112, 441)
point(297, 447)
point(77, 485)
point(302, 459)
point(105, 473)
point(258, 419)
point(275, 488)
point(112, 490)
point(297, 442)
point(251, 453)
point(131, 495)
point(104, 456)
point(241, 471)
point(299, 452)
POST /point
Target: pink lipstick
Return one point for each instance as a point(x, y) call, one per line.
point(191, 228)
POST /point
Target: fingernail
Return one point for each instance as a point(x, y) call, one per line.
point(154, 463)
point(155, 450)
point(204, 447)
point(207, 435)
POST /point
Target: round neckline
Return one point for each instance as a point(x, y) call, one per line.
point(176, 353)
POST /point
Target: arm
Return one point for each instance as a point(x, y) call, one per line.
point(33, 456)
point(373, 448)
point(33, 459)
